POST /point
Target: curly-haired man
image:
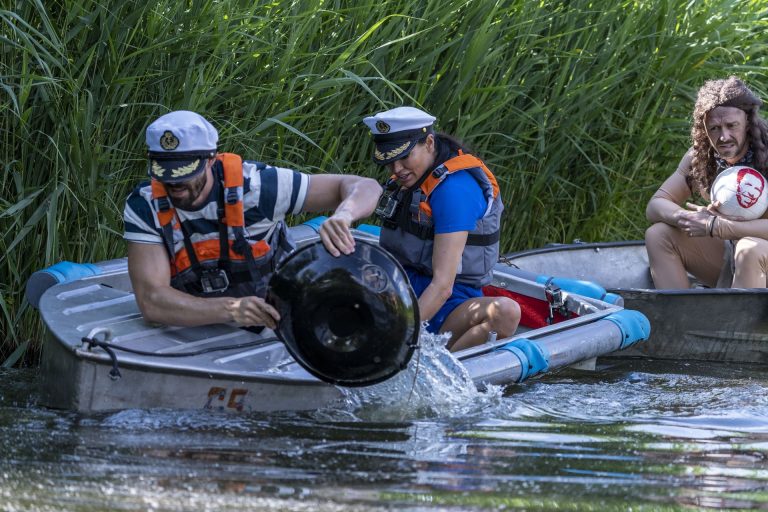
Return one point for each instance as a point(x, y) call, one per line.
point(717, 250)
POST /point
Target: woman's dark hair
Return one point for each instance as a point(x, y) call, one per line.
point(447, 146)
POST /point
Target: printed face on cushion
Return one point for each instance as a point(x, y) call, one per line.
point(727, 131)
point(750, 186)
point(409, 169)
point(185, 195)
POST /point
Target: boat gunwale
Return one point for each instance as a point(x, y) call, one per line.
point(509, 259)
point(103, 359)
point(159, 362)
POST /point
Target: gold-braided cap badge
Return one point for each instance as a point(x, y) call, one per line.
point(394, 153)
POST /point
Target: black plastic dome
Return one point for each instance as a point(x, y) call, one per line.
point(350, 320)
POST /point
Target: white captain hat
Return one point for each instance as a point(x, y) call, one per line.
point(179, 144)
point(396, 132)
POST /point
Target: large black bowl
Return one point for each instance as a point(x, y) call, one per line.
point(350, 320)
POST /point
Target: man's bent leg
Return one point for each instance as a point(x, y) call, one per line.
point(751, 258)
point(672, 253)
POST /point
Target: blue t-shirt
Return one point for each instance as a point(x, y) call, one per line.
point(457, 203)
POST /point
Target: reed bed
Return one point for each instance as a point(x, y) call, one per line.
point(580, 107)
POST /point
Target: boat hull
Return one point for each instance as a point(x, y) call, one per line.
point(79, 381)
point(708, 324)
point(101, 355)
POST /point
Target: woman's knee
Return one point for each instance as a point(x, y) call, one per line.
point(507, 316)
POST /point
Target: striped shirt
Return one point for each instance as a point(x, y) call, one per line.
point(270, 193)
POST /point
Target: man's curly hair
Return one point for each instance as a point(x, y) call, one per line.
point(729, 92)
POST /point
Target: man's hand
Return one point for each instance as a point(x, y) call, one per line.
point(695, 220)
point(352, 197)
point(713, 208)
point(250, 311)
point(336, 234)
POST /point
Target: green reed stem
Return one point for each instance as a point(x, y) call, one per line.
point(581, 108)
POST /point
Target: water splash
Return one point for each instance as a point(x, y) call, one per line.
point(435, 384)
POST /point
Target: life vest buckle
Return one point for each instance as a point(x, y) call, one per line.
point(163, 203)
point(232, 195)
point(439, 171)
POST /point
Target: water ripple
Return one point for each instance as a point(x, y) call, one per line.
point(649, 436)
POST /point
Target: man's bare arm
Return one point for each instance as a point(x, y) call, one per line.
point(150, 274)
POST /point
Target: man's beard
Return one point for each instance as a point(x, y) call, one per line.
point(194, 189)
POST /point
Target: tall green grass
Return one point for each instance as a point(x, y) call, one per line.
point(580, 107)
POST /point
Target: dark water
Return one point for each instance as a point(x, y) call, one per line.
point(635, 436)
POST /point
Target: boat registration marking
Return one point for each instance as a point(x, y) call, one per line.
point(220, 398)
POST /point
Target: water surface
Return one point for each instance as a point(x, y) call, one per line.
point(639, 435)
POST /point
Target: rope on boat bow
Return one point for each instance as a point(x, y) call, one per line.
point(91, 341)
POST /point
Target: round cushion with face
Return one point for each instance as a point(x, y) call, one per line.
point(741, 193)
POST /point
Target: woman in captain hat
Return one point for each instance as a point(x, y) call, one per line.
point(441, 213)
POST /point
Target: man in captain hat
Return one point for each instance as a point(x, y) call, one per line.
point(204, 234)
point(441, 215)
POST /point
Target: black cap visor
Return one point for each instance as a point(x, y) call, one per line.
point(394, 146)
point(177, 167)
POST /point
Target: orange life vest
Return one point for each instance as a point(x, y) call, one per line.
point(231, 253)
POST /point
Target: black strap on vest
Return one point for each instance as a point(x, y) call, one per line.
point(223, 234)
point(404, 219)
point(484, 240)
point(428, 233)
point(194, 263)
point(164, 204)
point(240, 245)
